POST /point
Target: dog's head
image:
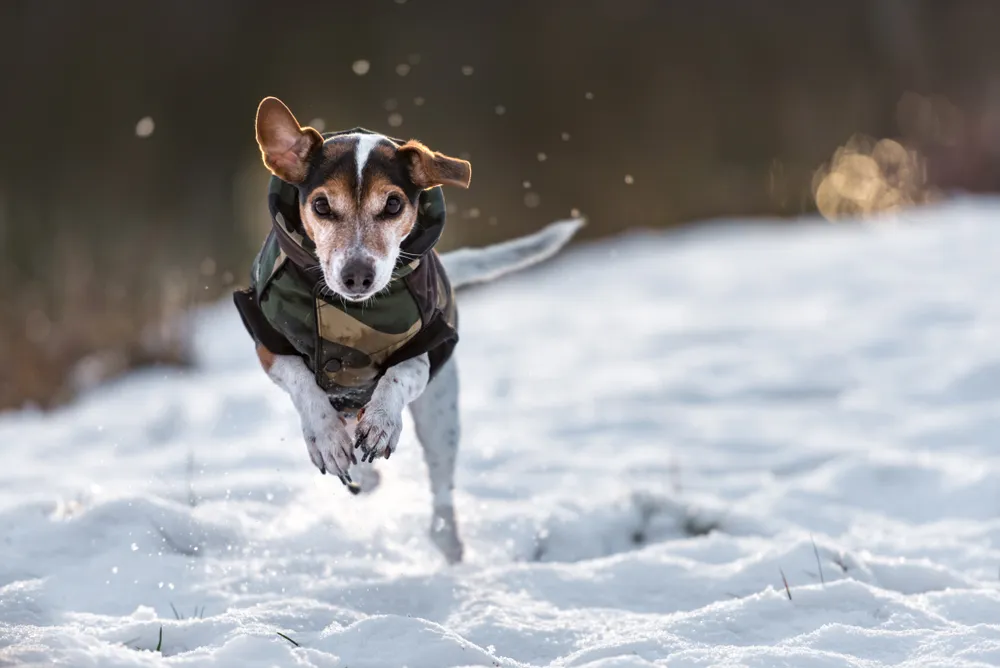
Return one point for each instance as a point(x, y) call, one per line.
point(357, 194)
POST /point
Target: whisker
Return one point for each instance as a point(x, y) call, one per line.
point(324, 288)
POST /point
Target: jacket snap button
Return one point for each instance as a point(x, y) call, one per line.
point(332, 366)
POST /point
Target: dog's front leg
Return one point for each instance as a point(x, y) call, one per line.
point(381, 423)
point(330, 447)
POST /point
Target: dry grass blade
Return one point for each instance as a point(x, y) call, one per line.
point(788, 589)
point(288, 639)
point(818, 562)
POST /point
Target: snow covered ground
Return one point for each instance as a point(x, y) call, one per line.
point(656, 429)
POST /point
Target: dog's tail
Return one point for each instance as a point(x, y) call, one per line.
point(467, 266)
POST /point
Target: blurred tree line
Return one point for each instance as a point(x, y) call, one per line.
point(131, 186)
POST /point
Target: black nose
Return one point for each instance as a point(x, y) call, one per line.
point(358, 275)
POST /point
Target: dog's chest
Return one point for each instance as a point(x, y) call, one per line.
point(346, 345)
point(354, 342)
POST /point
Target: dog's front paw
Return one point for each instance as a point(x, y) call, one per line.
point(377, 433)
point(330, 447)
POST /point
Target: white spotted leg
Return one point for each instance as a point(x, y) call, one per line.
point(435, 418)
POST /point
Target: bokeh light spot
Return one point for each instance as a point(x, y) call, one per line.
point(145, 127)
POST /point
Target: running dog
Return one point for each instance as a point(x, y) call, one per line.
point(351, 308)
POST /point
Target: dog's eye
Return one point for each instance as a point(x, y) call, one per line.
point(321, 206)
point(393, 205)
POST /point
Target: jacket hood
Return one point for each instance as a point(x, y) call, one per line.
point(283, 204)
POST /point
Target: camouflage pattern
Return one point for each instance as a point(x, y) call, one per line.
point(348, 346)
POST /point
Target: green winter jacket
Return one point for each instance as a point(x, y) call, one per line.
point(348, 347)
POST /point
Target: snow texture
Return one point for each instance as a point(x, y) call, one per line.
point(655, 430)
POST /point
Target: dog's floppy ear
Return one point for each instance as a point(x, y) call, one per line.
point(284, 144)
point(428, 168)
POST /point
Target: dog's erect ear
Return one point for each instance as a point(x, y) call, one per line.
point(428, 168)
point(284, 144)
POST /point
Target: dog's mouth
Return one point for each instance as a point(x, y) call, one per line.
point(325, 290)
point(356, 297)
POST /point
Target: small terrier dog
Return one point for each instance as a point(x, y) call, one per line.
point(352, 310)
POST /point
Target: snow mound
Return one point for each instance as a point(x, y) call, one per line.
point(659, 432)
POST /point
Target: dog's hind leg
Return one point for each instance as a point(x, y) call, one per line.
point(435, 419)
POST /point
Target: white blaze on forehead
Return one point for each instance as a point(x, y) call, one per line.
point(363, 149)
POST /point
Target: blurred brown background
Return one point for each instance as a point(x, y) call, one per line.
point(130, 184)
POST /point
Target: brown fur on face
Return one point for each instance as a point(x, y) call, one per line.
point(357, 226)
